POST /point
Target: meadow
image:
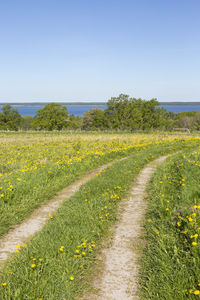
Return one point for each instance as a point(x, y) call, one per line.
point(171, 258)
point(58, 263)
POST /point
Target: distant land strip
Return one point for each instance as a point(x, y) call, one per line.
point(44, 103)
point(88, 103)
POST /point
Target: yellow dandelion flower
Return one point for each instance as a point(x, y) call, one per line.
point(197, 292)
point(4, 283)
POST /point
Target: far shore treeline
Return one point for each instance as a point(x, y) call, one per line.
point(122, 113)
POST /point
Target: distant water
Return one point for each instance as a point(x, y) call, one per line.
point(78, 110)
point(181, 108)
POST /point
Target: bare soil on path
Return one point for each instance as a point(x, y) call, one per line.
point(22, 232)
point(120, 267)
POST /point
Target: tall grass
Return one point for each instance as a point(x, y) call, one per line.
point(170, 265)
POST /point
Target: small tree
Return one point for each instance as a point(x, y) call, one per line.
point(10, 119)
point(52, 116)
point(27, 123)
point(74, 122)
point(94, 119)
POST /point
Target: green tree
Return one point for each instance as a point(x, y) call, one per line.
point(131, 113)
point(10, 119)
point(27, 123)
point(74, 122)
point(52, 116)
point(94, 119)
point(189, 119)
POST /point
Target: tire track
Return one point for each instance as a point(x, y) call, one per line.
point(119, 278)
point(22, 232)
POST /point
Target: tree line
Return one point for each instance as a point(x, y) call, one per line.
point(122, 113)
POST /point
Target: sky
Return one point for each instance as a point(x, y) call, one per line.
point(92, 50)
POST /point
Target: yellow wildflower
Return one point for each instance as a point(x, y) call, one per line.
point(197, 292)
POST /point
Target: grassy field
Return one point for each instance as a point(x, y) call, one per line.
point(57, 262)
point(33, 167)
point(171, 259)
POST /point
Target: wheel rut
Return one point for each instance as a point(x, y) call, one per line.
point(22, 232)
point(120, 268)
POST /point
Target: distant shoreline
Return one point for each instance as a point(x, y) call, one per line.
point(44, 103)
point(90, 103)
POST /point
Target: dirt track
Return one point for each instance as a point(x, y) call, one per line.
point(119, 278)
point(19, 234)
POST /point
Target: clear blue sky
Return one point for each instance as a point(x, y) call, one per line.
point(91, 50)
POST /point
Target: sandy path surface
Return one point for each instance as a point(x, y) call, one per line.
point(119, 278)
point(19, 234)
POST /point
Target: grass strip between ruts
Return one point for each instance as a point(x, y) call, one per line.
point(170, 265)
point(55, 264)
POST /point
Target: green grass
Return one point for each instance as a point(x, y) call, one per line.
point(43, 269)
point(24, 192)
point(34, 172)
point(170, 264)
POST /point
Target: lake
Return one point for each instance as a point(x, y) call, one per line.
point(78, 110)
